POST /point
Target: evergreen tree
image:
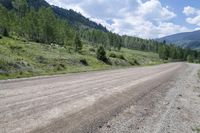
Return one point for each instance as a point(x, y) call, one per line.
point(3, 19)
point(77, 43)
point(190, 58)
point(31, 25)
point(46, 20)
point(21, 7)
point(5, 32)
point(101, 54)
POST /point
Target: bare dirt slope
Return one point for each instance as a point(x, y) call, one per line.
point(162, 98)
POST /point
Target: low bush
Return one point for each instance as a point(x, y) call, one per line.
point(121, 57)
point(190, 58)
point(134, 62)
point(84, 62)
point(91, 49)
point(5, 32)
point(113, 55)
point(62, 65)
point(59, 67)
point(14, 47)
point(41, 59)
point(3, 65)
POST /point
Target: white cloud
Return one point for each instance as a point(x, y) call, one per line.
point(195, 20)
point(146, 29)
point(147, 19)
point(189, 10)
point(154, 10)
point(193, 15)
point(169, 28)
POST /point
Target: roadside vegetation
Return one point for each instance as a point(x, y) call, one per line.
point(197, 130)
point(24, 58)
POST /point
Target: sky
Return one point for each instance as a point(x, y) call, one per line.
point(142, 18)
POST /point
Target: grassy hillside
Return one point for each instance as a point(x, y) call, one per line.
point(23, 59)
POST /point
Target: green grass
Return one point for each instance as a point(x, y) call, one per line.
point(25, 59)
point(197, 130)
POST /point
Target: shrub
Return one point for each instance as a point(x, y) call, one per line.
point(59, 67)
point(3, 64)
point(92, 50)
point(41, 59)
point(0, 37)
point(62, 65)
point(101, 54)
point(190, 58)
point(84, 62)
point(113, 55)
point(134, 62)
point(5, 32)
point(12, 47)
point(78, 43)
point(121, 57)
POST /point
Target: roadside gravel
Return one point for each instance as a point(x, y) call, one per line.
point(154, 99)
point(172, 108)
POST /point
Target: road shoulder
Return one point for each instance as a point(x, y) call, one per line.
point(174, 108)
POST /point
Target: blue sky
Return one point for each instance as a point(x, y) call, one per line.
point(142, 18)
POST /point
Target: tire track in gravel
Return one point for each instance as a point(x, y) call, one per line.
point(76, 102)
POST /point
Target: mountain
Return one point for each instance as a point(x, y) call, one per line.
point(186, 40)
point(75, 19)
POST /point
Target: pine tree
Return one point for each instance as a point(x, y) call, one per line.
point(101, 54)
point(3, 19)
point(77, 43)
point(21, 7)
point(47, 23)
point(5, 32)
point(190, 58)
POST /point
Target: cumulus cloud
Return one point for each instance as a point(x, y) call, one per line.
point(146, 29)
point(193, 15)
point(194, 20)
point(154, 10)
point(189, 10)
point(147, 19)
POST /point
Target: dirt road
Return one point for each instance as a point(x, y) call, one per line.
point(163, 98)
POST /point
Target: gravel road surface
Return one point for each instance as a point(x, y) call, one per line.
point(154, 99)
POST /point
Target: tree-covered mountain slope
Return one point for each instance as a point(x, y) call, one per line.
point(185, 40)
point(75, 19)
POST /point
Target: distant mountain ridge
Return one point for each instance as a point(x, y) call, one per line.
point(75, 19)
point(186, 40)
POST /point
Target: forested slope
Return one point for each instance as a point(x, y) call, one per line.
point(75, 19)
point(185, 40)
